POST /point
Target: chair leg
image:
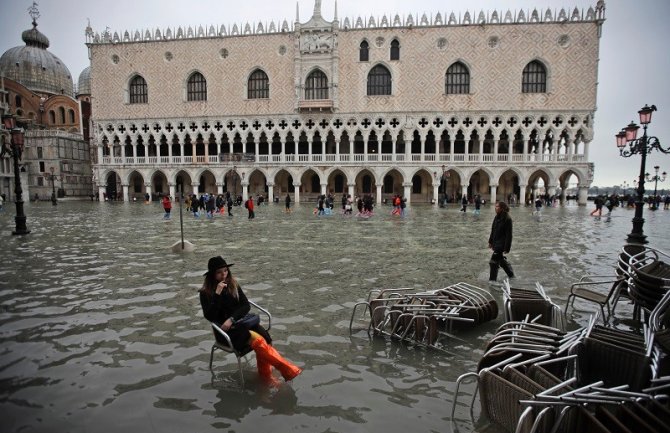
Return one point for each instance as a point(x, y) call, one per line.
point(211, 357)
point(239, 367)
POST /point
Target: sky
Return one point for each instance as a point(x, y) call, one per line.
point(632, 71)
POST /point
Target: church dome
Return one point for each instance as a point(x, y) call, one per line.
point(35, 67)
point(84, 83)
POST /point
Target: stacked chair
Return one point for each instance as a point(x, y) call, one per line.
point(649, 272)
point(519, 303)
point(421, 318)
point(534, 378)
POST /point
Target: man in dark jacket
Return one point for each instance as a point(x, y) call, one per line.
point(500, 241)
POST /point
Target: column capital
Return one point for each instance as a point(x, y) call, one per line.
point(297, 184)
point(407, 184)
point(270, 184)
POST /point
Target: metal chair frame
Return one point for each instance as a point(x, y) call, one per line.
point(228, 345)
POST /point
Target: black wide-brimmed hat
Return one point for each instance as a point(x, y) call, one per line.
point(216, 263)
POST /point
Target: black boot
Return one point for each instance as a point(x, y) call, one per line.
point(493, 276)
point(507, 267)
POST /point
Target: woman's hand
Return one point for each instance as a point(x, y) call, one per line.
point(227, 324)
point(220, 287)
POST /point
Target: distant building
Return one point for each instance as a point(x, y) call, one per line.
point(495, 103)
point(39, 90)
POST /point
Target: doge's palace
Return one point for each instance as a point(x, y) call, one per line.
point(496, 103)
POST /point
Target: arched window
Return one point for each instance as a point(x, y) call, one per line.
point(534, 78)
point(196, 87)
point(61, 115)
point(18, 101)
point(395, 50)
point(52, 117)
point(71, 115)
point(316, 86)
point(457, 79)
point(138, 91)
point(379, 81)
point(258, 86)
point(363, 52)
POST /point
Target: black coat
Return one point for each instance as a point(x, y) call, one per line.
point(501, 233)
point(219, 308)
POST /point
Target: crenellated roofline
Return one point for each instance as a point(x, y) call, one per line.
point(592, 14)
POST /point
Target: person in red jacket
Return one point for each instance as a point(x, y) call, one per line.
point(249, 204)
point(167, 206)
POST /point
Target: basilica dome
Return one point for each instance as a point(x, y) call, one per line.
point(84, 83)
point(35, 67)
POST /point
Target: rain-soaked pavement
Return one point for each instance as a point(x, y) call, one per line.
point(101, 329)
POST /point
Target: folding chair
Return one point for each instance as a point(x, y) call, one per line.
point(227, 346)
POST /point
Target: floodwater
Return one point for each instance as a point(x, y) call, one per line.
point(101, 329)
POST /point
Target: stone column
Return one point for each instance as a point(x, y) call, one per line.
point(323, 188)
point(219, 188)
point(147, 189)
point(271, 192)
point(102, 189)
point(563, 193)
point(245, 190)
point(379, 193)
point(464, 190)
point(494, 193)
point(126, 197)
point(351, 189)
point(582, 198)
point(407, 187)
point(296, 192)
point(100, 153)
point(283, 148)
point(173, 190)
point(194, 188)
point(522, 195)
point(436, 186)
point(496, 142)
point(586, 151)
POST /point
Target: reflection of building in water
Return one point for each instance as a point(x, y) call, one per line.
point(39, 91)
point(494, 104)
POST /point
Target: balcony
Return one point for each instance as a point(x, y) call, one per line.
point(315, 105)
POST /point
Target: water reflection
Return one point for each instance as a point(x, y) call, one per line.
point(101, 327)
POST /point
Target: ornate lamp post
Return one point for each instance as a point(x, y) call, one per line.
point(628, 137)
point(16, 150)
point(53, 179)
point(656, 179)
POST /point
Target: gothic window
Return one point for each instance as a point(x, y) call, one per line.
point(52, 117)
point(258, 86)
point(534, 78)
point(196, 87)
point(379, 81)
point(61, 115)
point(138, 90)
point(316, 86)
point(18, 101)
point(395, 50)
point(71, 115)
point(457, 80)
point(364, 51)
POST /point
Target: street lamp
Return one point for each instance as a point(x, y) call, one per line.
point(656, 179)
point(53, 178)
point(643, 146)
point(16, 149)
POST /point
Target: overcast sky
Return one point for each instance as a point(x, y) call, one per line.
point(633, 71)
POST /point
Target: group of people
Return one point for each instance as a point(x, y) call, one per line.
point(399, 205)
point(609, 202)
point(477, 200)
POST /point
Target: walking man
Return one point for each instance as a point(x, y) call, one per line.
point(500, 241)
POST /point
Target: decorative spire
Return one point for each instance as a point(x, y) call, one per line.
point(317, 9)
point(335, 18)
point(297, 12)
point(34, 13)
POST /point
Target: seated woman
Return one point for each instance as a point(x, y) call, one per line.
point(223, 302)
